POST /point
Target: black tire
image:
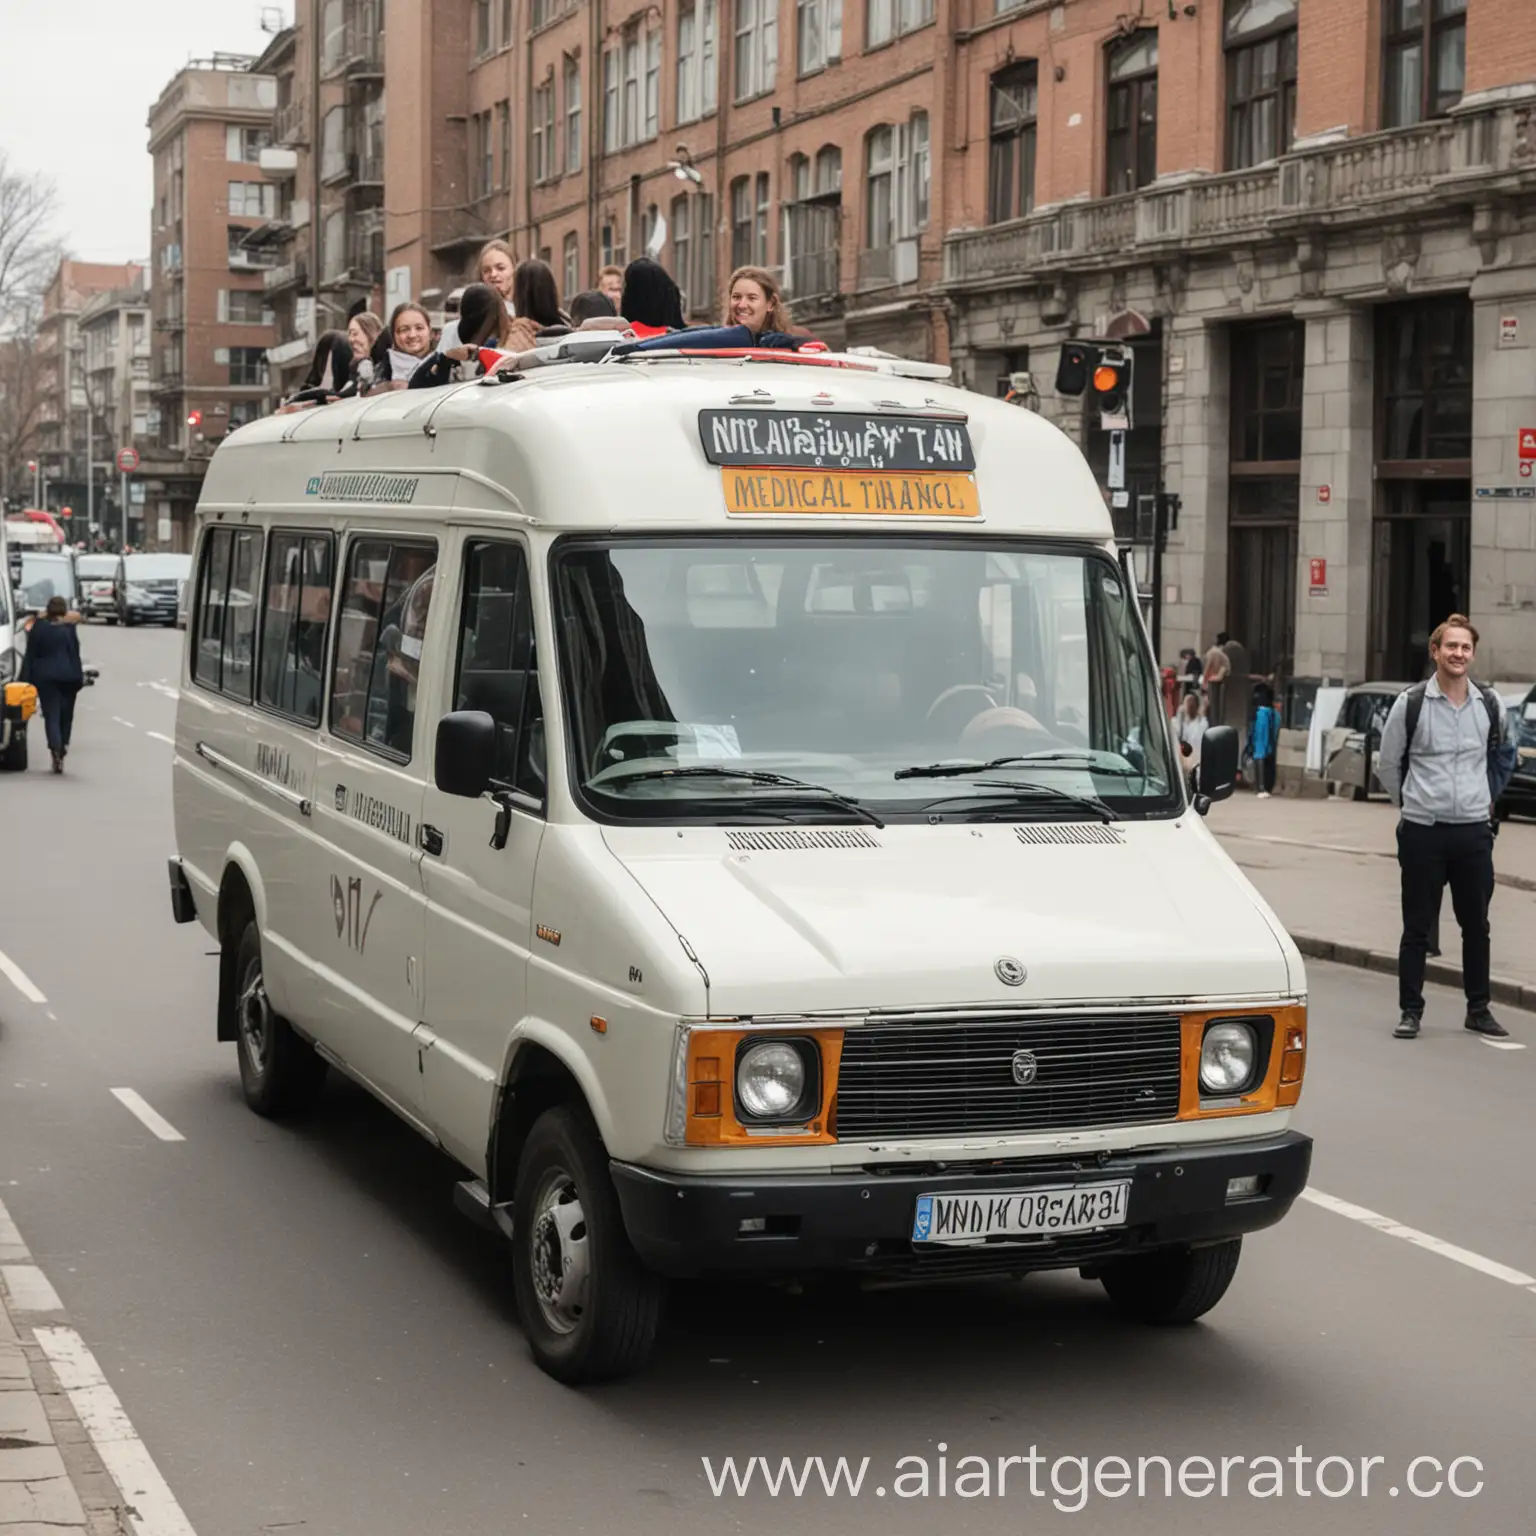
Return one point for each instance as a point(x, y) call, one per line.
point(608, 1327)
point(127, 621)
point(1357, 794)
point(111, 618)
point(280, 1074)
point(1173, 1285)
point(14, 759)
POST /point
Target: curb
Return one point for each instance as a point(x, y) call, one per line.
point(1503, 989)
point(1514, 882)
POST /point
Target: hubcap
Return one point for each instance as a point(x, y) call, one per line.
point(561, 1253)
point(255, 1017)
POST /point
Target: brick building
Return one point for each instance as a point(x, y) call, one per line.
point(64, 428)
point(1314, 220)
point(212, 320)
point(115, 327)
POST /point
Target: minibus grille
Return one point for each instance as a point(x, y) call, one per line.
point(958, 1079)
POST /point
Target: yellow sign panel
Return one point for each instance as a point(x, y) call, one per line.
point(849, 493)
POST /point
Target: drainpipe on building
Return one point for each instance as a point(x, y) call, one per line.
point(314, 164)
point(594, 134)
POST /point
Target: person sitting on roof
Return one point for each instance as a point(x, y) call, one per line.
point(652, 304)
point(329, 370)
point(483, 322)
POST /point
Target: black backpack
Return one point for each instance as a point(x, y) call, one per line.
point(1501, 758)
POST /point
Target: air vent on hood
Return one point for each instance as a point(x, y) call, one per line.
point(1076, 832)
point(792, 839)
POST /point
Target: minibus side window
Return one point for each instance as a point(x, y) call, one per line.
point(240, 614)
point(212, 585)
point(497, 665)
point(379, 632)
point(293, 630)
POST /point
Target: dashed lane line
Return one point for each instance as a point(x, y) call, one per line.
point(135, 1105)
point(154, 1510)
point(19, 979)
point(1490, 1267)
point(170, 741)
point(118, 720)
point(1505, 1045)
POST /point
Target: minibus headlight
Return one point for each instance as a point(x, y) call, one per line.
point(776, 1080)
point(1228, 1055)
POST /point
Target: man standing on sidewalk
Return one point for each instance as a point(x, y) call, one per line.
point(1438, 749)
point(1218, 665)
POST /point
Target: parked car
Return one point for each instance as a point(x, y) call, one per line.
point(96, 576)
point(1519, 797)
point(1350, 745)
point(149, 587)
point(44, 575)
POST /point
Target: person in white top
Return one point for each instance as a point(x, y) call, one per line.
point(1190, 726)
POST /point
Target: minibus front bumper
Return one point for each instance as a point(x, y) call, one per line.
point(864, 1219)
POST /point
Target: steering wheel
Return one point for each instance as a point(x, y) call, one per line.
point(637, 738)
point(983, 701)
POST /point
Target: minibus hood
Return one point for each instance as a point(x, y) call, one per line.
point(931, 917)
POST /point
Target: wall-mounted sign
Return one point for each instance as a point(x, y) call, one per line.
point(1325, 493)
point(1509, 330)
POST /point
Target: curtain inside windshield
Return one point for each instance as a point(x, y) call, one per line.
point(846, 662)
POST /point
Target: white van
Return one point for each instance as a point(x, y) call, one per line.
point(727, 805)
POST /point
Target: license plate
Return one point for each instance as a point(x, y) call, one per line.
point(1020, 1213)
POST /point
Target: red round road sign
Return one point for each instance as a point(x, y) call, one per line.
point(128, 460)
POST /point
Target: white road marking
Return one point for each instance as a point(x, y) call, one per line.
point(1490, 1267)
point(118, 719)
point(19, 979)
point(163, 687)
point(156, 1122)
point(1505, 1045)
point(170, 741)
point(153, 1510)
point(29, 1289)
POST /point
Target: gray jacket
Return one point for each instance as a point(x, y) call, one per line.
point(1448, 767)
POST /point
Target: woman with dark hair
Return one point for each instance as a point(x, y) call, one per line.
point(537, 302)
point(329, 370)
point(52, 666)
point(483, 322)
point(1265, 740)
point(651, 303)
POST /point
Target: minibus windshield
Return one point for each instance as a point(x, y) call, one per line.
point(939, 676)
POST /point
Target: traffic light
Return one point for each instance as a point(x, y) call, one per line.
point(194, 418)
point(1076, 365)
point(1112, 389)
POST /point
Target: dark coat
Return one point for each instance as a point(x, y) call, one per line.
point(53, 655)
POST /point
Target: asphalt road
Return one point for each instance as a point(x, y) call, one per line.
point(308, 1338)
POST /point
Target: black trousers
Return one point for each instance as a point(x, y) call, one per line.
point(57, 703)
point(1264, 772)
point(1458, 854)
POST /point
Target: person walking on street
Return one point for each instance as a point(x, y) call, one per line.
point(1266, 740)
point(52, 666)
point(1444, 747)
point(1218, 665)
point(1190, 727)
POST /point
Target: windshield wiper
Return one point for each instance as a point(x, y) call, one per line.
point(1041, 793)
point(959, 770)
point(758, 776)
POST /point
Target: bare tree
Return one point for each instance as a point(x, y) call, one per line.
point(28, 252)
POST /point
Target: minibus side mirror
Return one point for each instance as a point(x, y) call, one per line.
point(1218, 763)
point(466, 753)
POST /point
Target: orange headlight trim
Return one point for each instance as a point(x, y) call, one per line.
point(1281, 1085)
point(712, 1120)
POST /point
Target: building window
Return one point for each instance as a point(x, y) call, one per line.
point(1131, 157)
point(293, 631)
point(244, 145)
point(386, 592)
point(1266, 387)
point(1261, 80)
point(248, 365)
point(610, 253)
point(741, 222)
point(572, 113)
point(482, 155)
point(542, 132)
point(652, 84)
point(1425, 65)
point(1424, 366)
point(811, 224)
point(252, 199)
point(504, 135)
point(611, 123)
point(757, 47)
point(695, 60)
point(570, 274)
point(913, 176)
point(764, 214)
point(1011, 164)
point(820, 34)
point(682, 243)
point(888, 19)
point(244, 306)
point(701, 291)
point(630, 115)
point(333, 34)
point(243, 412)
point(879, 193)
point(485, 39)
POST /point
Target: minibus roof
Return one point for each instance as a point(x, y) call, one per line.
point(678, 440)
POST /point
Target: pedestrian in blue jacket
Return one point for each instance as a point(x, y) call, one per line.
point(52, 665)
point(1266, 740)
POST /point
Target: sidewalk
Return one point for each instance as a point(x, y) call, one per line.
point(1329, 870)
point(52, 1481)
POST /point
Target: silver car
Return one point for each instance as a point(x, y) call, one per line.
point(1350, 745)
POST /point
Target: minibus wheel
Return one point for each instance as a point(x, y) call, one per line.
point(279, 1073)
point(590, 1310)
point(1173, 1285)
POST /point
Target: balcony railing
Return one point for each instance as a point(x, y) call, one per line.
point(288, 125)
point(1349, 181)
point(813, 274)
point(290, 273)
point(363, 44)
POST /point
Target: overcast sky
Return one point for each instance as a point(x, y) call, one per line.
point(78, 80)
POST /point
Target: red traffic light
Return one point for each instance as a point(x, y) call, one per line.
point(1105, 378)
point(31, 466)
point(194, 418)
point(66, 511)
